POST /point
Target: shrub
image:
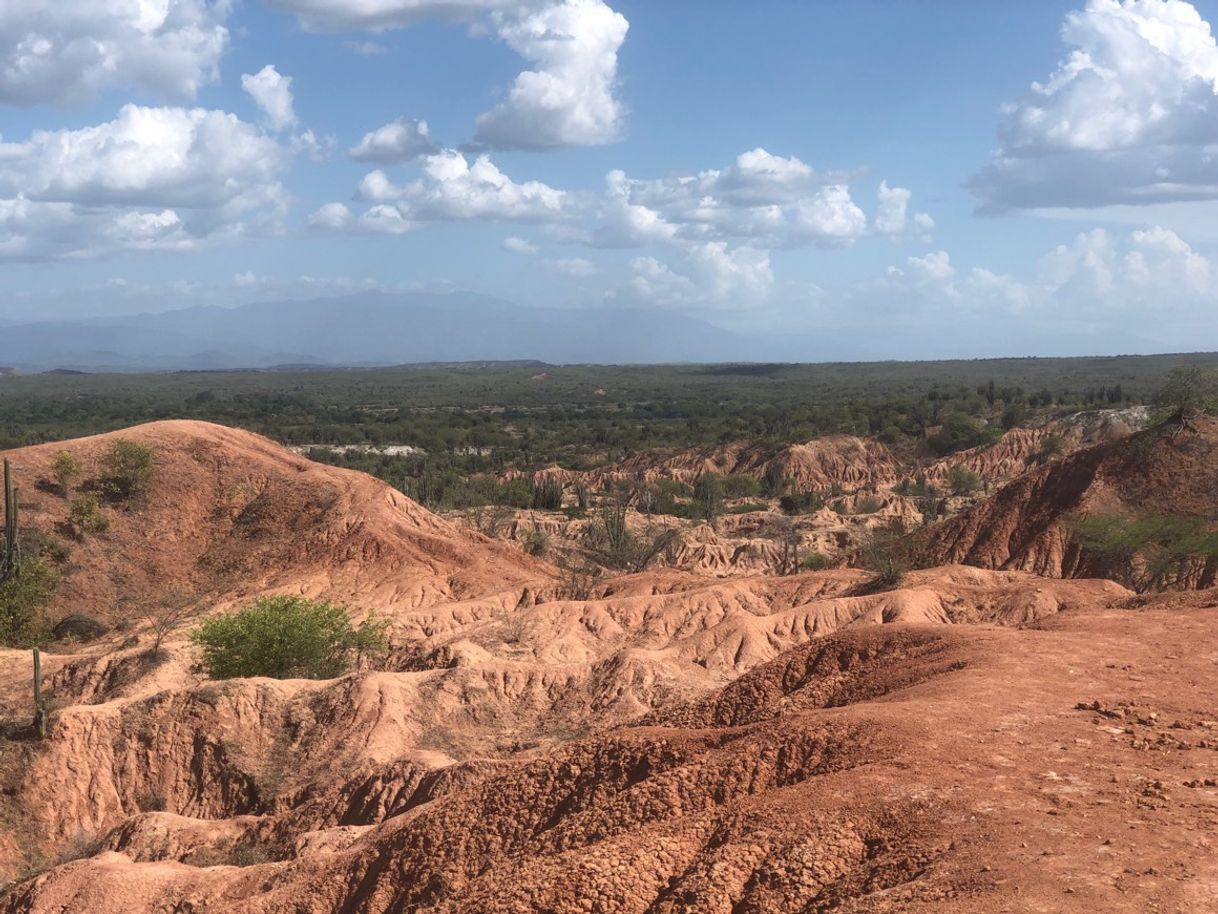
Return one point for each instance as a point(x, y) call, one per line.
point(537, 543)
point(66, 471)
point(23, 597)
point(708, 497)
point(814, 561)
point(869, 504)
point(801, 503)
point(85, 515)
point(962, 481)
point(284, 637)
point(617, 546)
point(1190, 387)
point(128, 468)
point(886, 553)
point(959, 432)
point(738, 485)
point(1153, 547)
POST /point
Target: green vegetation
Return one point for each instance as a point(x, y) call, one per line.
point(285, 637)
point(85, 516)
point(128, 468)
point(1190, 387)
point(801, 502)
point(887, 553)
point(23, 597)
point(962, 481)
point(1151, 549)
point(470, 424)
point(814, 561)
point(615, 545)
point(66, 471)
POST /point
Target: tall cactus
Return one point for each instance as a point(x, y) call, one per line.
point(10, 552)
point(40, 710)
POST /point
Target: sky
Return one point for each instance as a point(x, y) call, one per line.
point(873, 179)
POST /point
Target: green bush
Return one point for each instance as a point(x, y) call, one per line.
point(1161, 544)
point(962, 481)
point(128, 469)
point(1190, 387)
point(814, 561)
point(85, 515)
point(285, 637)
point(738, 485)
point(23, 597)
point(801, 503)
point(66, 471)
point(869, 504)
point(959, 432)
point(887, 554)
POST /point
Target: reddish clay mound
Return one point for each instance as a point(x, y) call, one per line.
point(1171, 469)
point(232, 513)
point(1057, 768)
point(832, 462)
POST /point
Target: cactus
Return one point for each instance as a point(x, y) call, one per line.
point(10, 556)
point(40, 711)
point(547, 494)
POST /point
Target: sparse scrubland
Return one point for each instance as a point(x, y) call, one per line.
point(744, 644)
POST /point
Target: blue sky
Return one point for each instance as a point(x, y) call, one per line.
point(1047, 168)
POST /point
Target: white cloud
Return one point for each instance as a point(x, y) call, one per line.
point(248, 278)
point(452, 188)
point(1130, 116)
point(708, 275)
point(1096, 277)
point(764, 198)
point(330, 216)
point(381, 15)
point(272, 92)
point(573, 267)
point(152, 178)
point(1150, 270)
point(568, 99)
point(399, 141)
point(67, 51)
point(892, 214)
point(365, 48)
point(514, 245)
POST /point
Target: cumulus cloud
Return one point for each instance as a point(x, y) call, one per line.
point(152, 178)
point(399, 141)
point(452, 188)
point(67, 52)
point(1097, 276)
point(768, 199)
point(568, 96)
point(272, 92)
point(568, 99)
point(706, 275)
point(892, 214)
point(330, 216)
point(1130, 116)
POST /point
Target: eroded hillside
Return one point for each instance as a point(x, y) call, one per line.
point(966, 740)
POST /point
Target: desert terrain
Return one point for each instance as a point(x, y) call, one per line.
point(1007, 727)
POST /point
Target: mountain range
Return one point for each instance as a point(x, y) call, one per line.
point(363, 330)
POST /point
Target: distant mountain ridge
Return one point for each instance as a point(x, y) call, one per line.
point(365, 329)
